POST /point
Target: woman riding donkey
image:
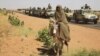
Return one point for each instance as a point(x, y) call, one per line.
point(62, 35)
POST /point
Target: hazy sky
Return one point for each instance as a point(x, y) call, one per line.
point(73, 4)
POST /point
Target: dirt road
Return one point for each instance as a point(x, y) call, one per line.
point(81, 37)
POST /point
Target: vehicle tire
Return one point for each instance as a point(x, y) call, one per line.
point(68, 19)
point(76, 20)
point(85, 21)
point(95, 21)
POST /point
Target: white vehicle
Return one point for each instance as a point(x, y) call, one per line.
point(90, 17)
point(50, 13)
point(85, 16)
point(69, 16)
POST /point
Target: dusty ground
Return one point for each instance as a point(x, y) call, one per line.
point(81, 37)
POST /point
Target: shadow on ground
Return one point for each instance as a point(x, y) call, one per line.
point(46, 51)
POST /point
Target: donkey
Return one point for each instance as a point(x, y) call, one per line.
point(58, 42)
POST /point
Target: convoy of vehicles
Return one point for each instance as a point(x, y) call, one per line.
point(81, 15)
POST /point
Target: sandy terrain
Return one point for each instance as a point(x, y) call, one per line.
point(81, 37)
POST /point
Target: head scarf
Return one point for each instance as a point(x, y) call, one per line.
point(59, 8)
point(60, 15)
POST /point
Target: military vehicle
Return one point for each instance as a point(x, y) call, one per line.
point(69, 16)
point(91, 17)
point(82, 16)
point(50, 13)
point(85, 16)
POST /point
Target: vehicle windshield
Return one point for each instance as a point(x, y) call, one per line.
point(86, 11)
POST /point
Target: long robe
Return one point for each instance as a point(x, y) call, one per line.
point(63, 31)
